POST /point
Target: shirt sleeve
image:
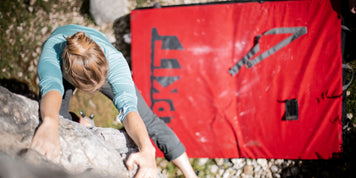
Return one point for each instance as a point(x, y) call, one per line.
point(125, 99)
point(49, 66)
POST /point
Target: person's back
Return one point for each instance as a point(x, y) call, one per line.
point(79, 57)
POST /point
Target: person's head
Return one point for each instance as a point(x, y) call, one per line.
point(84, 63)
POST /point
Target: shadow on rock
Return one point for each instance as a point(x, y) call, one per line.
point(18, 87)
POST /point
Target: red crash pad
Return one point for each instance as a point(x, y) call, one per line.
point(252, 80)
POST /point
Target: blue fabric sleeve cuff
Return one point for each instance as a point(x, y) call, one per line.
point(124, 111)
point(125, 103)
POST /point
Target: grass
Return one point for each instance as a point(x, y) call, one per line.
point(15, 19)
point(97, 104)
point(351, 94)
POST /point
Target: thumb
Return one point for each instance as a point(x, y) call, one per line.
point(131, 161)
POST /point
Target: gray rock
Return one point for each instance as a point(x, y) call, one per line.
point(12, 168)
point(106, 11)
point(98, 151)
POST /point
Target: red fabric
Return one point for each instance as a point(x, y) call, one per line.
point(219, 115)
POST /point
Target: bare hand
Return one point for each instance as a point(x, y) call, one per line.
point(46, 140)
point(146, 163)
point(85, 121)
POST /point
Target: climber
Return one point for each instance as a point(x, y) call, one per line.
point(80, 57)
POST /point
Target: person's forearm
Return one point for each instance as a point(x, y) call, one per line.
point(50, 106)
point(137, 131)
point(182, 162)
point(145, 158)
point(46, 139)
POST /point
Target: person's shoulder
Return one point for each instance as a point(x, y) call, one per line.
point(64, 28)
point(55, 39)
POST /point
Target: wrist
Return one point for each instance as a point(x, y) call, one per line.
point(149, 149)
point(51, 122)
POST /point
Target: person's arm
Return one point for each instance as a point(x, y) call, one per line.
point(145, 158)
point(46, 139)
point(125, 100)
point(182, 162)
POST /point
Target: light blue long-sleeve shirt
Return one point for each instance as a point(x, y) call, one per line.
point(119, 75)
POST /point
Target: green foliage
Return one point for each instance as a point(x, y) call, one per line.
point(46, 6)
point(203, 170)
point(140, 3)
point(15, 19)
point(351, 98)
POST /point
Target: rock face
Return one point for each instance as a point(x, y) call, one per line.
point(106, 11)
point(84, 151)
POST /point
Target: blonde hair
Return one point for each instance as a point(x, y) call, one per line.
point(84, 63)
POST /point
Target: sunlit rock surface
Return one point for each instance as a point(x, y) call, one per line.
point(84, 151)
